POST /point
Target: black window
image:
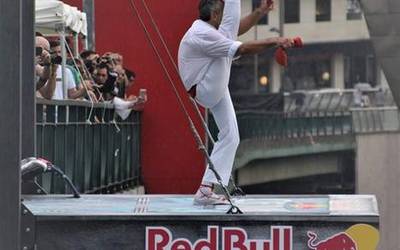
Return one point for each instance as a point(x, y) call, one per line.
point(292, 11)
point(264, 20)
point(353, 10)
point(307, 72)
point(360, 69)
point(323, 10)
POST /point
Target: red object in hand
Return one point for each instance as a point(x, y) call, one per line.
point(270, 2)
point(298, 42)
point(281, 56)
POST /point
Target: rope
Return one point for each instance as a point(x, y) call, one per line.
point(84, 85)
point(205, 126)
point(182, 105)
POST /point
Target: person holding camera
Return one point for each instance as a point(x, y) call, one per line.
point(45, 72)
point(105, 82)
point(121, 83)
point(73, 92)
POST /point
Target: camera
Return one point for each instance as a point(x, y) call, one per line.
point(90, 65)
point(104, 59)
point(39, 51)
point(55, 59)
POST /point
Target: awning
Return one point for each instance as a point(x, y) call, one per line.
point(52, 14)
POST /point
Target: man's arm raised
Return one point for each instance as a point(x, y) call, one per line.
point(246, 23)
point(258, 46)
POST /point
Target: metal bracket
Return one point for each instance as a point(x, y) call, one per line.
point(28, 241)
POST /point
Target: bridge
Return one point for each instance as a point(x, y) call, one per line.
point(313, 126)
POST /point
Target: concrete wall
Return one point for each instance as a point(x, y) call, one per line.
point(378, 172)
point(263, 171)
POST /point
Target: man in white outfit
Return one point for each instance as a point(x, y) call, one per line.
point(205, 58)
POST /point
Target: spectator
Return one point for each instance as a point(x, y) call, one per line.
point(105, 82)
point(90, 59)
point(118, 59)
point(121, 83)
point(45, 72)
point(107, 59)
point(131, 75)
point(73, 92)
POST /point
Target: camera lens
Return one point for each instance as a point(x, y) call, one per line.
point(39, 51)
point(56, 59)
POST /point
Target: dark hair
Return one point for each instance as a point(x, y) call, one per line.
point(103, 66)
point(130, 74)
point(54, 44)
point(86, 53)
point(207, 7)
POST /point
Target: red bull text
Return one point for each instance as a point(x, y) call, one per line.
point(233, 238)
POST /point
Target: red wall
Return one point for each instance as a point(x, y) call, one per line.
point(171, 162)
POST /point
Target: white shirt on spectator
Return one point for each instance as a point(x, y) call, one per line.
point(69, 80)
point(205, 55)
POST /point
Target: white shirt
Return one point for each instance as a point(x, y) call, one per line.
point(69, 80)
point(205, 55)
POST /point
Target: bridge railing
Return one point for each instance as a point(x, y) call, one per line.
point(337, 99)
point(286, 125)
point(375, 120)
point(96, 149)
point(310, 113)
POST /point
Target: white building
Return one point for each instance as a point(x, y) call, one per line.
point(338, 52)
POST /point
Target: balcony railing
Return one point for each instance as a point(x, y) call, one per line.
point(96, 149)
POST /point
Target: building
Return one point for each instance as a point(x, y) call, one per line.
point(338, 52)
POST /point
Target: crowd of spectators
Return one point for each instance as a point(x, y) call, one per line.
point(89, 77)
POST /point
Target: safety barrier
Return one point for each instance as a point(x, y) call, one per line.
point(90, 143)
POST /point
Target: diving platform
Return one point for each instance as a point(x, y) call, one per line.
point(156, 222)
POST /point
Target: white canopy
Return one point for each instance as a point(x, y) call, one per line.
point(51, 14)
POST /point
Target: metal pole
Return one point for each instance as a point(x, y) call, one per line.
point(86, 43)
point(64, 63)
point(28, 86)
point(281, 18)
point(10, 126)
point(76, 45)
point(89, 8)
point(256, 81)
point(282, 34)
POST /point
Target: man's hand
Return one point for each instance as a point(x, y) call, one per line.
point(284, 42)
point(249, 21)
point(266, 6)
point(88, 84)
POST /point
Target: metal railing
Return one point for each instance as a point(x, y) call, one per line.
point(376, 120)
point(96, 149)
point(312, 113)
point(337, 99)
point(282, 125)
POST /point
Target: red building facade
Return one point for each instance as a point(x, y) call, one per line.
point(171, 162)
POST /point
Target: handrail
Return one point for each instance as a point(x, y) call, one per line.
point(99, 151)
point(77, 103)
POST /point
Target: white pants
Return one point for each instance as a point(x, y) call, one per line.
point(224, 150)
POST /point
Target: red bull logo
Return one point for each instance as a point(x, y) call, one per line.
point(357, 237)
point(232, 238)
